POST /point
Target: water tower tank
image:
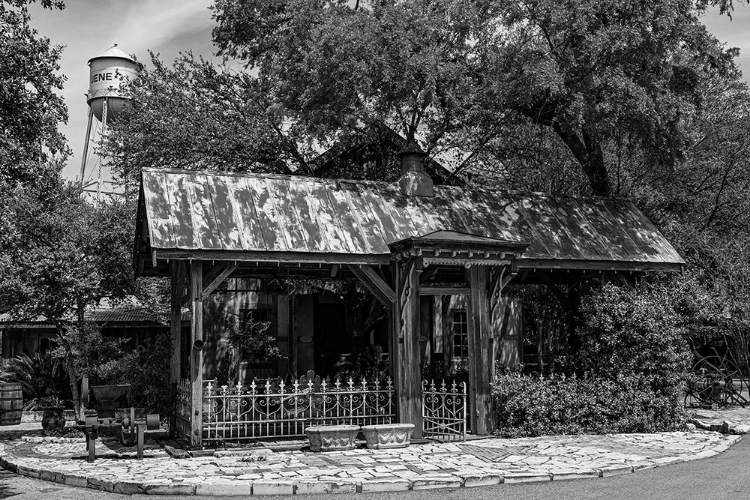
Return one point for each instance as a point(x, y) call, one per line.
point(109, 73)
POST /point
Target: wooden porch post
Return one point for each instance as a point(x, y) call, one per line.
point(405, 342)
point(196, 357)
point(480, 350)
point(177, 277)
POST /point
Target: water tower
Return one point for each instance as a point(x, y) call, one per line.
point(108, 77)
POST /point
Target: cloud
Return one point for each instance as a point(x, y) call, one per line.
point(156, 26)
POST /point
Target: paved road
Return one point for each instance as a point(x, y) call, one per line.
point(726, 476)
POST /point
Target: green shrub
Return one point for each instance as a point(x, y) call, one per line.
point(632, 363)
point(146, 369)
point(41, 378)
point(634, 334)
point(535, 406)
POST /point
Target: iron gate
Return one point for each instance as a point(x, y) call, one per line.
point(444, 411)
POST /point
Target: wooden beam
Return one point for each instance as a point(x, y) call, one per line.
point(428, 273)
point(216, 277)
point(406, 346)
point(480, 351)
point(274, 257)
point(196, 357)
point(444, 290)
point(177, 285)
point(335, 270)
point(375, 284)
point(595, 265)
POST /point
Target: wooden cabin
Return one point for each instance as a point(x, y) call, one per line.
point(39, 337)
point(420, 250)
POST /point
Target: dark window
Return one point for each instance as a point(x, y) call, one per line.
point(46, 345)
point(460, 334)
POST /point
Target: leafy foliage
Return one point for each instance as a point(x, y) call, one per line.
point(368, 365)
point(251, 338)
point(195, 115)
point(333, 66)
point(60, 254)
point(634, 334)
point(41, 378)
point(145, 369)
point(629, 371)
point(93, 352)
point(30, 109)
point(601, 76)
point(595, 72)
point(530, 406)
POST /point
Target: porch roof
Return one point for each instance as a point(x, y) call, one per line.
point(255, 217)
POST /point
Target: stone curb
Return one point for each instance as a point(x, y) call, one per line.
point(725, 427)
point(238, 487)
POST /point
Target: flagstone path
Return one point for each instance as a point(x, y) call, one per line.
point(435, 465)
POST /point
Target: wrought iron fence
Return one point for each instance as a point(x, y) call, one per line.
point(184, 406)
point(444, 411)
point(284, 409)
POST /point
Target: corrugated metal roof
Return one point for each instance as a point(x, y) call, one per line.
point(194, 210)
point(122, 315)
point(103, 315)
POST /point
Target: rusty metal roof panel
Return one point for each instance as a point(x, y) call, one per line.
point(228, 226)
point(287, 220)
point(158, 207)
point(348, 222)
point(372, 229)
point(270, 213)
point(242, 199)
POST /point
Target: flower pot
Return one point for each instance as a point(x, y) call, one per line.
point(385, 436)
point(53, 419)
point(332, 437)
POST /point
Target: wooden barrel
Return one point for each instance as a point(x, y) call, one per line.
point(11, 403)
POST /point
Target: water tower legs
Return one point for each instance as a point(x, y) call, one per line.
point(86, 146)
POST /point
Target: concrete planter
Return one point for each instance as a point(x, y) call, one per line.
point(332, 437)
point(388, 435)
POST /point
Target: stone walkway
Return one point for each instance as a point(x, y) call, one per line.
point(436, 465)
point(727, 421)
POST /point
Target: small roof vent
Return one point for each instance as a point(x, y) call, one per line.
point(414, 180)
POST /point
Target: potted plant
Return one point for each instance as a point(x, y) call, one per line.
point(53, 416)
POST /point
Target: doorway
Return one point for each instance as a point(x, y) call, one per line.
point(332, 343)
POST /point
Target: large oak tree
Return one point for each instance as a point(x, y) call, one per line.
point(457, 73)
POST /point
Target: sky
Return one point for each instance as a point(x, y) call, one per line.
point(89, 27)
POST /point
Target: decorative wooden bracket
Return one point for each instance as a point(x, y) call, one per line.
point(216, 277)
point(428, 273)
point(374, 283)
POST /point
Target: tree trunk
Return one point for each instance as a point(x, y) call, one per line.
point(71, 370)
point(588, 151)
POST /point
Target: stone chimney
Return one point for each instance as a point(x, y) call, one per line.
point(414, 180)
